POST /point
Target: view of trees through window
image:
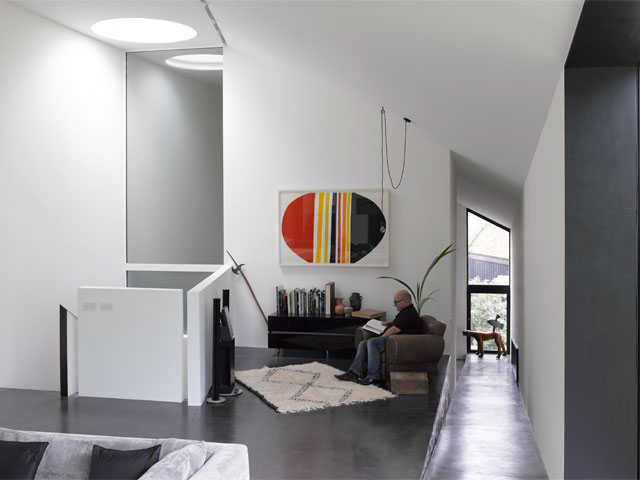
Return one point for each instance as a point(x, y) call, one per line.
point(488, 280)
point(485, 306)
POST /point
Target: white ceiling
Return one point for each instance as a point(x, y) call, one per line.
point(476, 76)
point(210, 77)
point(79, 15)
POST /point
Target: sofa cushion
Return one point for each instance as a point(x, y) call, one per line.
point(20, 459)
point(179, 465)
point(108, 463)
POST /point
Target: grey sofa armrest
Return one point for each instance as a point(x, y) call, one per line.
point(406, 349)
point(228, 462)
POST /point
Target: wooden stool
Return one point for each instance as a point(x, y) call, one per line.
point(409, 383)
point(481, 337)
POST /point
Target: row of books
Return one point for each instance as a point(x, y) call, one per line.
point(301, 302)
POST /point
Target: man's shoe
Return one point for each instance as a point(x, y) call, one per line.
point(370, 381)
point(348, 376)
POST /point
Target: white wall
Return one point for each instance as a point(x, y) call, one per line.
point(460, 312)
point(543, 243)
point(498, 206)
point(61, 185)
point(517, 281)
point(282, 131)
point(174, 162)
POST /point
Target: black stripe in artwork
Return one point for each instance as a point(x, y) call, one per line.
point(368, 226)
point(332, 254)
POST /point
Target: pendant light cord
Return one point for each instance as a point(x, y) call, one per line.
point(384, 154)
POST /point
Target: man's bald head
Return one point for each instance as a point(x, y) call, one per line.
point(402, 299)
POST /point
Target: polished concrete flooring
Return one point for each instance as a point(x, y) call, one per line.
point(487, 433)
point(383, 439)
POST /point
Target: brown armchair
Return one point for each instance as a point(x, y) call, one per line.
point(411, 353)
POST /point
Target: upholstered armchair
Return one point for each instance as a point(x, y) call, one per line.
point(411, 353)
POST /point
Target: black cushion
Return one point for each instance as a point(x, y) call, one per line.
point(122, 464)
point(20, 459)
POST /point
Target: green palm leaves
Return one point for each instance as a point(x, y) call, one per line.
point(417, 294)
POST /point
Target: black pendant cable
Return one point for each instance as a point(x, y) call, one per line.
point(384, 152)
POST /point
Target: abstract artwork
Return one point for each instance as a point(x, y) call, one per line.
point(334, 228)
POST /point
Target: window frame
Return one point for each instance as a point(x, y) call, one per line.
point(492, 289)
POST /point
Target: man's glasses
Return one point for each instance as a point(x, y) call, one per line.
point(395, 302)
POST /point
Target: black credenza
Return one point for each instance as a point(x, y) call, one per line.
point(313, 333)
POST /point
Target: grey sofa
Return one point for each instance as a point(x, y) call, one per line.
point(68, 456)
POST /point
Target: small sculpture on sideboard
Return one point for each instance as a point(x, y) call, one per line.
point(355, 300)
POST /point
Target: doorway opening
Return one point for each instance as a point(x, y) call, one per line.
point(488, 282)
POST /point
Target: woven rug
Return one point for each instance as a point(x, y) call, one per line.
point(311, 386)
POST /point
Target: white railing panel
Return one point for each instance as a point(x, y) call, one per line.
point(130, 343)
point(200, 333)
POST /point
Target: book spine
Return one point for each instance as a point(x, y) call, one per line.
point(284, 302)
point(304, 303)
point(330, 297)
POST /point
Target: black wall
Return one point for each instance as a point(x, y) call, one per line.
point(601, 280)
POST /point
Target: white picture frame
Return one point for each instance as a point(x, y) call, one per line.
point(334, 227)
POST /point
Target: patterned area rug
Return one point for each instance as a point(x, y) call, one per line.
point(311, 386)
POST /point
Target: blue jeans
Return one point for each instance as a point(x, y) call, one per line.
point(369, 351)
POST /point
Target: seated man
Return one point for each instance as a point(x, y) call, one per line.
point(406, 322)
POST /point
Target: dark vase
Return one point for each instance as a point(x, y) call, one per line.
point(355, 300)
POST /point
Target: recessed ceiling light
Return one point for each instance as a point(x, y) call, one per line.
point(196, 62)
point(143, 30)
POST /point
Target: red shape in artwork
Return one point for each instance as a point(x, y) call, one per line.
point(298, 225)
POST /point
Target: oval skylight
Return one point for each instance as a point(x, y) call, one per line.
point(196, 62)
point(143, 30)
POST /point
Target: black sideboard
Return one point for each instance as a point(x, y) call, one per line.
point(313, 333)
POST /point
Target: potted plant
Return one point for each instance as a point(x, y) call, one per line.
point(418, 293)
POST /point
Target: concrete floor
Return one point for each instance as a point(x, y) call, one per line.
point(487, 433)
point(383, 439)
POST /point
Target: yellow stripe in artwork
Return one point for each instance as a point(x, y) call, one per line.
point(319, 228)
point(348, 249)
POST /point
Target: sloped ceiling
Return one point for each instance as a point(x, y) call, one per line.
point(476, 76)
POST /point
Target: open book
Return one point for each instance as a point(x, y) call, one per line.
point(374, 326)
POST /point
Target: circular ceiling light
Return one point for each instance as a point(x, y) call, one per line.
point(143, 30)
point(196, 62)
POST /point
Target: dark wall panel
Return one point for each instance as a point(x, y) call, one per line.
point(601, 181)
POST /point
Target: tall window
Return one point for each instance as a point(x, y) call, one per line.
point(488, 290)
